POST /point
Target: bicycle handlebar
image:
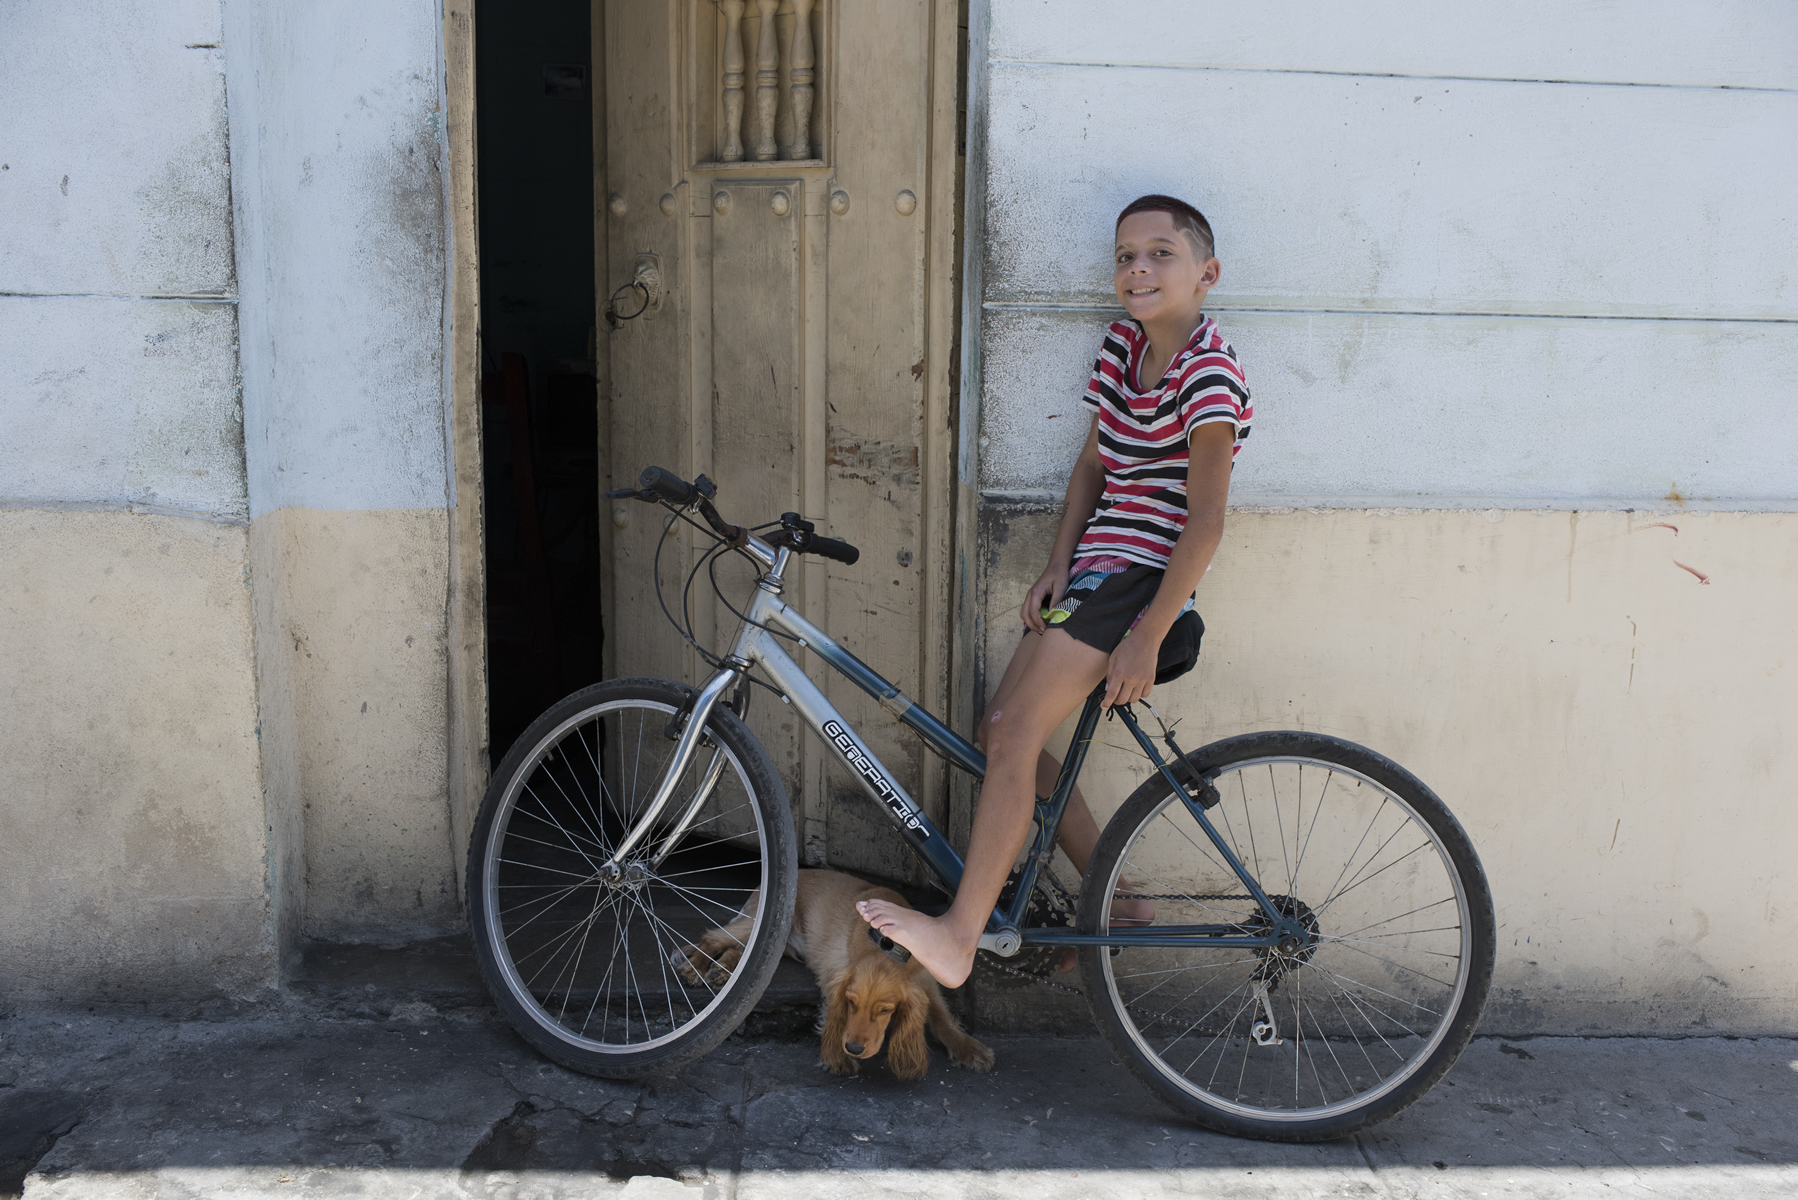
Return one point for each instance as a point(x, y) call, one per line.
point(831, 548)
point(666, 485)
point(658, 485)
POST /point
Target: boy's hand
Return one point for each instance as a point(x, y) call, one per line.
point(1044, 592)
point(1132, 670)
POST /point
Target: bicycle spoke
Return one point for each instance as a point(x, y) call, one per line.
point(1351, 887)
point(1402, 916)
point(1329, 778)
point(1442, 983)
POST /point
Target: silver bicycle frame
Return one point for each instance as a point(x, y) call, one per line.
point(756, 646)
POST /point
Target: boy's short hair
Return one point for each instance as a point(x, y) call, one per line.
point(1187, 219)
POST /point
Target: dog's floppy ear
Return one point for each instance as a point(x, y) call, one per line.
point(907, 1052)
point(836, 1019)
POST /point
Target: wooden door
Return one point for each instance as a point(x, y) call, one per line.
point(786, 172)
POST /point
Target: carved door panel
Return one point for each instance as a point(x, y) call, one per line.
point(785, 170)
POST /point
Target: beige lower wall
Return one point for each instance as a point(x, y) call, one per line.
point(356, 605)
point(133, 839)
point(1611, 729)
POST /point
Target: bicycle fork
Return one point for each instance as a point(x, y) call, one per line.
point(685, 751)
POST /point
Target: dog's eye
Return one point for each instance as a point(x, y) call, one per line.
point(852, 1006)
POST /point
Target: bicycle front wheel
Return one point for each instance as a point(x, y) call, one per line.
point(595, 971)
point(1342, 1025)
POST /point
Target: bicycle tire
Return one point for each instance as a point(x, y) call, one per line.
point(588, 971)
point(1388, 1012)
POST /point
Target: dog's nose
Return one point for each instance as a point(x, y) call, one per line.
point(853, 1047)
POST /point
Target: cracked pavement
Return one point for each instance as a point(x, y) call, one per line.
point(305, 1102)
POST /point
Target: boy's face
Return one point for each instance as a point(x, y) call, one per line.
point(1158, 271)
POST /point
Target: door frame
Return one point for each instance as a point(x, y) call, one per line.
point(465, 605)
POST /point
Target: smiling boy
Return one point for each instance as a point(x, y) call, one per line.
point(1144, 514)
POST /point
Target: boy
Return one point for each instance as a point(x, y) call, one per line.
point(1144, 515)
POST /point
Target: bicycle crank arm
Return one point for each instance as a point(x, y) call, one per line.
point(1005, 942)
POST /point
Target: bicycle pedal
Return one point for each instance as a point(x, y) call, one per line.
point(888, 946)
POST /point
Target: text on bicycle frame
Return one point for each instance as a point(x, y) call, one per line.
point(839, 737)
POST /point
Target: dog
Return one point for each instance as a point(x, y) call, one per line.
point(869, 998)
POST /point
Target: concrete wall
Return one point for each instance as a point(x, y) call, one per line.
point(231, 708)
point(337, 147)
point(135, 848)
point(1497, 280)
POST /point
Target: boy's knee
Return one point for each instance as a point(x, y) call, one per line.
point(986, 723)
point(1003, 738)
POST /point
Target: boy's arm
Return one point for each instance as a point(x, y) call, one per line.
point(1132, 671)
point(1086, 483)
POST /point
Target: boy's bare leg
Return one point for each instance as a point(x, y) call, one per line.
point(1079, 832)
point(1050, 684)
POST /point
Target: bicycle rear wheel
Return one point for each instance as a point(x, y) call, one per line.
point(1336, 1030)
point(588, 970)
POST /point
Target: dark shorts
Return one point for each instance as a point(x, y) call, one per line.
point(1102, 612)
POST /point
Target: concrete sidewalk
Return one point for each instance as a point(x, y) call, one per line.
point(313, 1102)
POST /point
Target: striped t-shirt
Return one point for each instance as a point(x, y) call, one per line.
point(1143, 436)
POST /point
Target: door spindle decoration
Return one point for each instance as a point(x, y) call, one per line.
point(733, 81)
point(767, 137)
point(800, 63)
point(767, 82)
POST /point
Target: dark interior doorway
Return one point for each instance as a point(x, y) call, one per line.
point(534, 82)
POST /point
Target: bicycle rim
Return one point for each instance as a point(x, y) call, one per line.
point(1338, 1026)
point(592, 963)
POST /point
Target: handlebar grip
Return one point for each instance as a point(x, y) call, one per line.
point(831, 548)
point(667, 485)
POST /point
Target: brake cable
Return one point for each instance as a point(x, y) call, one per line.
point(712, 660)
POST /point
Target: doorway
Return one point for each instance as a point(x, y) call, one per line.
point(782, 178)
point(534, 80)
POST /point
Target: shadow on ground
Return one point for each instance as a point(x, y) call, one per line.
point(337, 1092)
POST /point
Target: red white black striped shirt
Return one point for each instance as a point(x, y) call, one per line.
point(1143, 436)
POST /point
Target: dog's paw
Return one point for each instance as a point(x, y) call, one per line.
point(840, 1064)
point(974, 1056)
point(694, 967)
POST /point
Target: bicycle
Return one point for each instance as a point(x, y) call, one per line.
point(638, 813)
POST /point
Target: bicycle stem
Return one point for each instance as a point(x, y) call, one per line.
point(684, 753)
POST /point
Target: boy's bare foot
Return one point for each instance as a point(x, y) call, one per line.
point(931, 940)
point(1126, 912)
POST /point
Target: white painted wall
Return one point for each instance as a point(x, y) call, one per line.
point(116, 273)
point(1449, 279)
point(1488, 270)
point(336, 145)
point(134, 836)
